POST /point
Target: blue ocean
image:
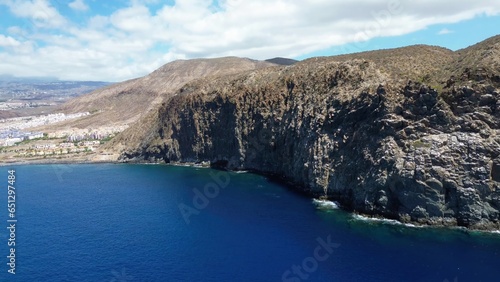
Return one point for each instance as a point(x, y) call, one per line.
point(111, 222)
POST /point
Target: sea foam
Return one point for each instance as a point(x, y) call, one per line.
point(383, 221)
point(325, 204)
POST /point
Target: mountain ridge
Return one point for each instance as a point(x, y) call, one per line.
point(282, 61)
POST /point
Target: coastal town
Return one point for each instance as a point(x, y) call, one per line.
point(6, 106)
point(63, 148)
point(19, 123)
point(18, 139)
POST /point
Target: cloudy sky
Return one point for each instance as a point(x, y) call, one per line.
point(111, 40)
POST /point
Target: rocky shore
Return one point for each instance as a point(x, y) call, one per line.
point(408, 134)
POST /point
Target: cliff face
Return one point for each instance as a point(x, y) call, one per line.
point(368, 133)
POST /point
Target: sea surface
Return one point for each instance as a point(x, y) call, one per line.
point(164, 223)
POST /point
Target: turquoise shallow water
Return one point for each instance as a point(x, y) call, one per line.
point(165, 223)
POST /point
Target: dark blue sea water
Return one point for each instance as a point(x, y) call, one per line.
point(124, 223)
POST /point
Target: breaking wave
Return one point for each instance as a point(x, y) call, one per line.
point(325, 204)
point(383, 221)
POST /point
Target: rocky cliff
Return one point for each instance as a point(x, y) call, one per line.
point(409, 134)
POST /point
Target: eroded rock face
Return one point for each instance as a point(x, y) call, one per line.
point(351, 132)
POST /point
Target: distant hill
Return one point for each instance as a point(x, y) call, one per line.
point(8, 77)
point(282, 61)
point(416, 62)
point(42, 89)
point(478, 62)
point(135, 102)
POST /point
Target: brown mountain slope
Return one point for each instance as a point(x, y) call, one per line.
point(417, 62)
point(476, 63)
point(124, 103)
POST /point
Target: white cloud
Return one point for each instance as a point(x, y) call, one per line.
point(39, 12)
point(136, 39)
point(445, 31)
point(78, 5)
point(7, 41)
point(133, 19)
point(15, 30)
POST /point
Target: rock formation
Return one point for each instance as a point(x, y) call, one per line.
point(409, 133)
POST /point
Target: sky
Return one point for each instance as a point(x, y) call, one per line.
point(111, 40)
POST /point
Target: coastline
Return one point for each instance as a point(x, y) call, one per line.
point(53, 161)
point(432, 223)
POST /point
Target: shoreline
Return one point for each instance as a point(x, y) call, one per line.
point(274, 178)
point(355, 216)
point(53, 161)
